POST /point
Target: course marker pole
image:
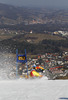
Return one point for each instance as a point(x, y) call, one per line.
point(26, 63)
point(16, 64)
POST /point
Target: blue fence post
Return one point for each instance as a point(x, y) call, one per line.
point(16, 63)
point(26, 63)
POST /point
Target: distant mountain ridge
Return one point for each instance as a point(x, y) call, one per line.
point(7, 11)
point(14, 15)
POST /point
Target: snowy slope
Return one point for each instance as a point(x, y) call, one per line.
point(35, 89)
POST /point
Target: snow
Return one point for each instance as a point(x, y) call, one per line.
point(34, 89)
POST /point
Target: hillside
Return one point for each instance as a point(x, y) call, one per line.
point(34, 44)
point(36, 38)
point(41, 21)
point(31, 38)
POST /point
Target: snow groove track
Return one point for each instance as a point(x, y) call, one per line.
point(35, 89)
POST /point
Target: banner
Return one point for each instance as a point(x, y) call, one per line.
point(21, 58)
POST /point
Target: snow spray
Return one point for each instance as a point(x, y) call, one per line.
point(7, 66)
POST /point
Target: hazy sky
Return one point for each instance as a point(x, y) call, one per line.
point(39, 3)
